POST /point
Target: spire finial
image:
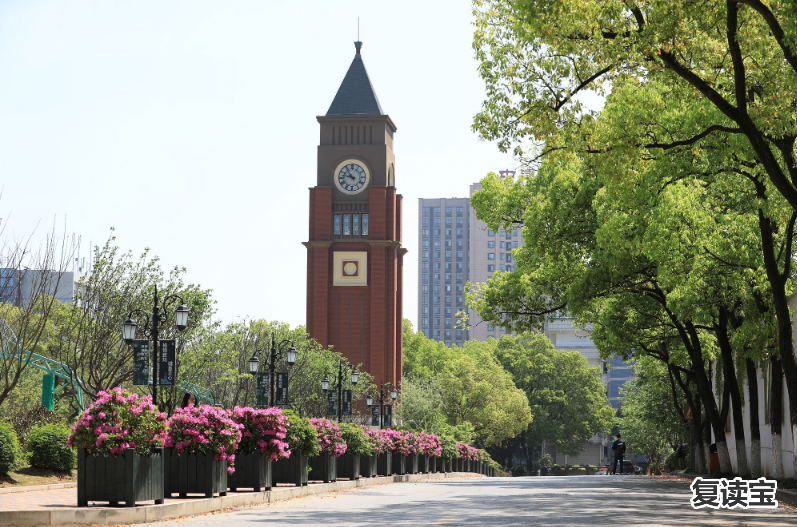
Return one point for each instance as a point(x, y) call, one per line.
point(358, 45)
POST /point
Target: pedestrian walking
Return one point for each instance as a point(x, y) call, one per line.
point(618, 447)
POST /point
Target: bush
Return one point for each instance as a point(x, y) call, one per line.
point(357, 443)
point(301, 435)
point(670, 464)
point(263, 430)
point(329, 437)
point(10, 455)
point(519, 471)
point(546, 461)
point(556, 466)
point(448, 447)
point(25, 421)
point(48, 448)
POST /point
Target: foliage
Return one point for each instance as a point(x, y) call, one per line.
point(357, 442)
point(518, 471)
point(421, 405)
point(301, 435)
point(448, 447)
point(330, 438)
point(424, 358)
point(48, 447)
point(263, 430)
point(204, 429)
point(10, 453)
point(38, 416)
point(651, 427)
point(566, 395)
point(546, 460)
point(467, 452)
point(118, 420)
point(429, 444)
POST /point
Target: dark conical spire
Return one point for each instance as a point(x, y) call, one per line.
point(356, 96)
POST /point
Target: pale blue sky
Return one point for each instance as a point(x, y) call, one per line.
point(135, 114)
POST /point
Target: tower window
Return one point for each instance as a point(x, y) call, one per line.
point(336, 225)
point(365, 224)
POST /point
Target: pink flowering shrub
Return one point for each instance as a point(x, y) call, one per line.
point(264, 430)
point(204, 430)
point(403, 442)
point(329, 437)
point(467, 452)
point(381, 440)
point(118, 420)
point(429, 444)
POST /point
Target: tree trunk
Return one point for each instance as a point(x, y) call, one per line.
point(776, 418)
point(755, 430)
point(729, 371)
point(700, 464)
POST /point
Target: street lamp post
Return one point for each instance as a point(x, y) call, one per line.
point(355, 376)
point(277, 353)
point(382, 394)
point(151, 329)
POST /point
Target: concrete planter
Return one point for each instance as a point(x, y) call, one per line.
point(194, 474)
point(349, 466)
point(252, 471)
point(368, 466)
point(384, 464)
point(291, 470)
point(323, 467)
point(122, 479)
point(399, 465)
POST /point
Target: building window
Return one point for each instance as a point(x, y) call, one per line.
point(459, 221)
point(514, 232)
point(437, 254)
point(437, 211)
point(501, 256)
point(426, 254)
point(448, 334)
point(459, 254)
point(448, 210)
point(437, 266)
point(436, 288)
point(502, 267)
point(460, 300)
point(448, 243)
point(437, 244)
point(437, 322)
point(459, 232)
point(425, 322)
point(459, 210)
point(426, 221)
point(424, 289)
point(448, 221)
point(365, 225)
point(448, 322)
point(437, 232)
point(448, 232)
point(425, 265)
point(425, 244)
point(490, 327)
point(437, 311)
point(425, 299)
point(448, 300)
point(448, 288)
point(508, 257)
point(425, 310)
point(437, 300)
point(448, 254)
point(491, 244)
point(501, 232)
point(448, 276)
point(501, 244)
point(448, 265)
point(491, 256)
point(514, 245)
point(437, 222)
point(459, 265)
point(459, 276)
point(425, 232)
point(437, 277)
point(425, 277)
point(346, 227)
point(355, 224)
point(490, 268)
point(336, 225)
point(448, 311)
point(490, 233)
point(508, 268)
point(459, 243)
point(437, 333)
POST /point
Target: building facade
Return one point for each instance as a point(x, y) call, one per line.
point(18, 286)
point(354, 252)
point(443, 267)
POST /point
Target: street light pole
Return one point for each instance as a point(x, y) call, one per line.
point(290, 356)
point(355, 375)
point(152, 330)
point(381, 404)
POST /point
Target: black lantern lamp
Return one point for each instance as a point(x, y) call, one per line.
point(369, 401)
point(292, 355)
point(355, 376)
point(254, 364)
point(129, 327)
point(181, 317)
point(394, 393)
point(325, 383)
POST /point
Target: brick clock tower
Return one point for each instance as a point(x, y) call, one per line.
point(354, 253)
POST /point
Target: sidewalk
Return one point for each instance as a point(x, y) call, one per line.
point(59, 506)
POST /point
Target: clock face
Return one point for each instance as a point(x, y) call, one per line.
point(352, 178)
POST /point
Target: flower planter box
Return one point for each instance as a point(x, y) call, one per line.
point(323, 467)
point(384, 464)
point(432, 464)
point(412, 464)
point(448, 465)
point(399, 465)
point(348, 466)
point(423, 464)
point(127, 479)
point(252, 471)
point(292, 470)
point(368, 466)
point(194, 474)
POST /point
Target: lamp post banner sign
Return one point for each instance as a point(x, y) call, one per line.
point(332, 402)
point(141, 363)
point(167, 357)
point(346, 402)
point(388, 415)
point(282, 389)
point(263, 385)
point(375, 415)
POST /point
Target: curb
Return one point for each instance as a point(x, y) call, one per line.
point(167, 511)
point(29, 488)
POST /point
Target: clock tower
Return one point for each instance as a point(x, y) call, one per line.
point(354, 253)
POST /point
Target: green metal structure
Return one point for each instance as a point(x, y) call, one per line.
point(10, 349)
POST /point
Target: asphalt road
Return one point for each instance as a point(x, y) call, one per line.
point(574, 500)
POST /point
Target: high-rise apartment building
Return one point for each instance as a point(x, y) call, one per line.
point(443, 269)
